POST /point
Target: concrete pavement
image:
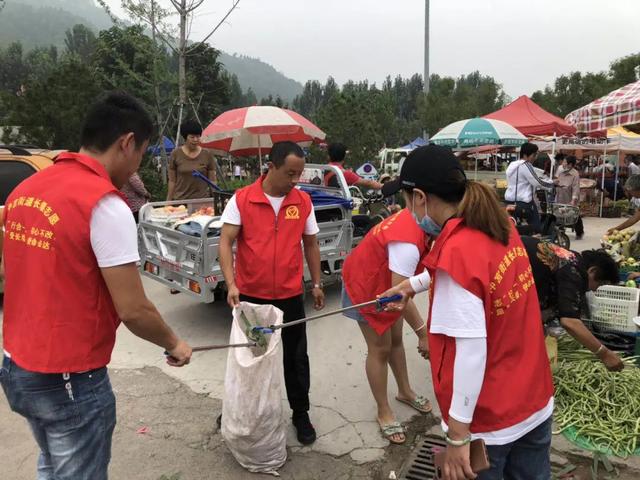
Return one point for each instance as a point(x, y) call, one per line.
point(343, 410)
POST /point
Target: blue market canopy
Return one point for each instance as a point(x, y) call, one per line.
point(417, 142)
point(157, 149)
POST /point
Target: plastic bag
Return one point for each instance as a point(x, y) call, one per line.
point(252, 424)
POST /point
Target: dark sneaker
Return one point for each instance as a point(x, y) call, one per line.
point(306, 432)
point(579, 237)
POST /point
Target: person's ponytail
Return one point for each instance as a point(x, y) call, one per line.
point(481, 210)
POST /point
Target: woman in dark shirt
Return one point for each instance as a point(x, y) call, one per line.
point(562, 278)
point(184, 160)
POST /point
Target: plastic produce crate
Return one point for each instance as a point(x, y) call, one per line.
point(613, 308)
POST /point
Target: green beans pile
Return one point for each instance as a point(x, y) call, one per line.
point(599, 408)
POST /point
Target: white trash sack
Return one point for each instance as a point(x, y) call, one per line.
point(252, 424)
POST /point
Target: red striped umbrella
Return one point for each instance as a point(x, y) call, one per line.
point(620, 107)
point(253, 130)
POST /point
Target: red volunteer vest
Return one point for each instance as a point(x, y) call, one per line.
point(517, 381)
point(58, 314)
point(366, 270)
point(269, 252)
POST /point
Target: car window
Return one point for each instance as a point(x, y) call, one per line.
point(11, 174)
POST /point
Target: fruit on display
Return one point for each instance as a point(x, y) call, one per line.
point(205, 211)
point(619, 236)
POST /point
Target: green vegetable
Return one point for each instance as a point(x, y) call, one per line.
point(596, 407)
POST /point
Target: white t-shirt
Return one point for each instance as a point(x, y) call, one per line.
point(231, 214)
point(403, 258)
point(458, 313)
point(634, 169)
point(113, 234)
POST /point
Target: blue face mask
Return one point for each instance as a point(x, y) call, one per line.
point(427, 224)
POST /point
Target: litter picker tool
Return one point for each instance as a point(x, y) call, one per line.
point(205, 348)
point(256, 332)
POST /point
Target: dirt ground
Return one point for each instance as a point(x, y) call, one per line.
point(166, 431)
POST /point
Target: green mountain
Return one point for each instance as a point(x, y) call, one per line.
point(44, 22)
point(261, 77)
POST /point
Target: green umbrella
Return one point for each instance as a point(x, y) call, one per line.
point(476, 132)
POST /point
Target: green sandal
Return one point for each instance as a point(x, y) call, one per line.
point(391, 429)
point(420, 403)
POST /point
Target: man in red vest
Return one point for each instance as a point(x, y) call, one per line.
point(70, 253)
point(269, 220)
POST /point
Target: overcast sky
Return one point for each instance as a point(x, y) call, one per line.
point(524, 44)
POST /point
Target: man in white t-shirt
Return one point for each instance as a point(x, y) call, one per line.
point(271, 222)
point(71, 277)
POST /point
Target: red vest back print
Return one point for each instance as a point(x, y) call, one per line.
point(58, 313)
point(517, 380)
point(268, 262)
point(366, 270)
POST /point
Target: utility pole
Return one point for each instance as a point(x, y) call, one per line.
point(182, 70)
point(425, 78)
point(426, 46)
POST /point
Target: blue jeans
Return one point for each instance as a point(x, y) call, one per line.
point(72, 417)
point(525, 459)
point(352, 314)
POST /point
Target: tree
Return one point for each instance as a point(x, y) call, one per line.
point(311, 99)
point(186, 9)
point(572, 91)
point(51, 110)
point(251, 97)
point(625, 70)
point(80, 41)
point(207, 83)
point(576, 89)
point(124, 59)
point(314, 96)
point(14, 71)
point(360, 118)
point(40, 62)
point(237, 98)
point(268, 101)
point(452, 99)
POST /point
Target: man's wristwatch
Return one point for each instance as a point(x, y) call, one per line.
point(318, 285)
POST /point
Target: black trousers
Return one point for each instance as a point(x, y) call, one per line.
point(294, 349)
point(579, 227)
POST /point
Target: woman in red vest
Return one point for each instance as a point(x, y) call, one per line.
point(389, 254)
point(489, 366)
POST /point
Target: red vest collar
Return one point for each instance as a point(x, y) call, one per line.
point(450, 227)
point(257, 195)
point(89, 162)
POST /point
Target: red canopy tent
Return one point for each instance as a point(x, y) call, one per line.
point(531, 119)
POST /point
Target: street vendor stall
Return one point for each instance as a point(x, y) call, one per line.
point(616, 144)
point(596, 409)
point(530, 119)
point(618, 108)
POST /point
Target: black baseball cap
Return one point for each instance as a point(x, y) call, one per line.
point(431, 169)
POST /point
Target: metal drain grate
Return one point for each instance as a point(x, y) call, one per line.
point(419, 465)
